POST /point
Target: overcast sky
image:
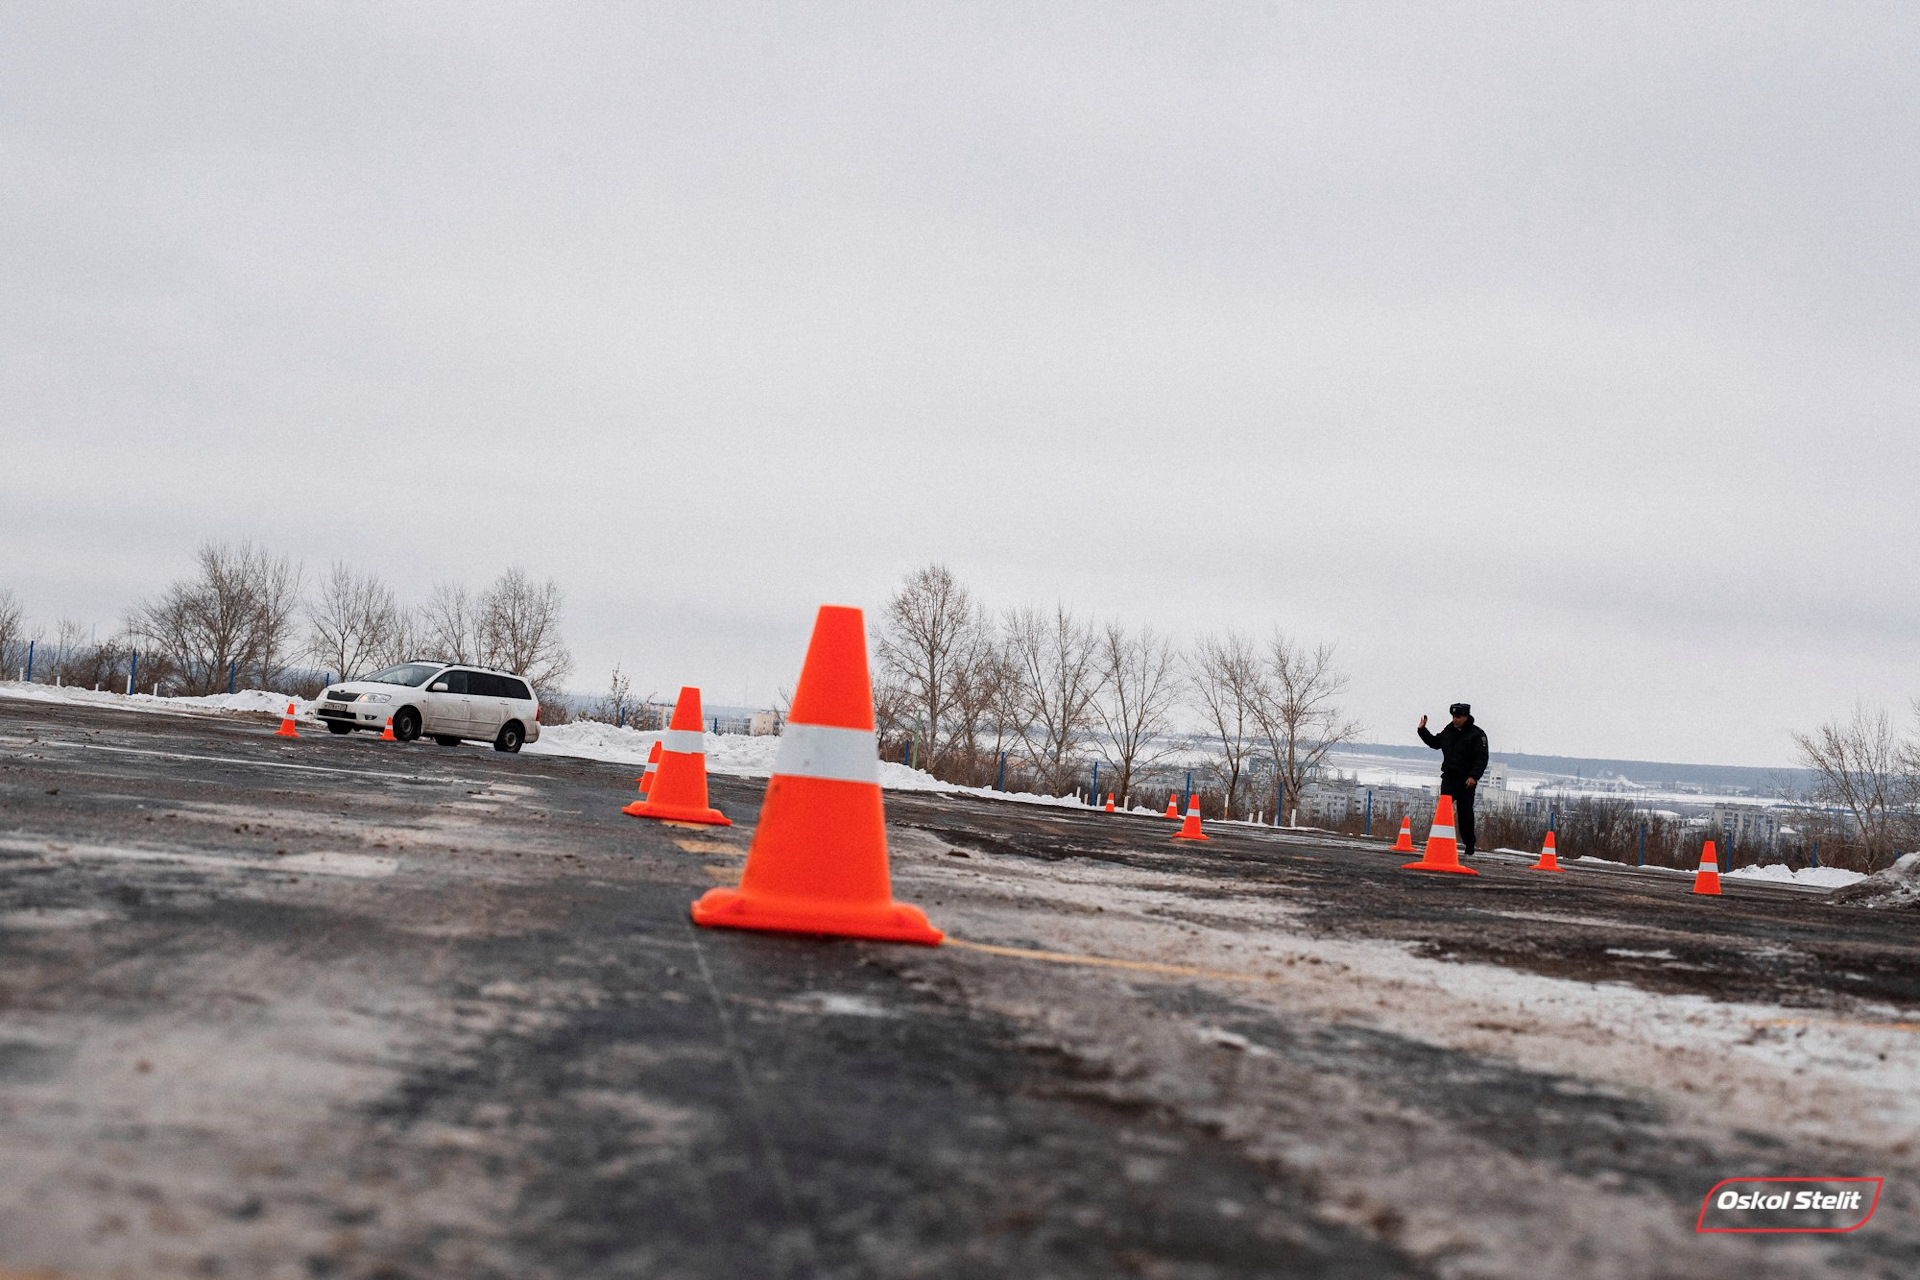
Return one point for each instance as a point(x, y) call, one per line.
point(1564, 359)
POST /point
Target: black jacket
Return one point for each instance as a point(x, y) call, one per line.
point(1463, 752)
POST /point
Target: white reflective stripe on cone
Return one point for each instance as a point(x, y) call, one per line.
point(1710, 866)
point(653, 766)
point(688, 742)
point(826, 751)
point(1439, 832)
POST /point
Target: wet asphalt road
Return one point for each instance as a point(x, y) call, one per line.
point(339, 1007)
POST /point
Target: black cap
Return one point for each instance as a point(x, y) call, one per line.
point(1459, 709)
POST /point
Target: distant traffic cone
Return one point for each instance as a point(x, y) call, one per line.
point(1173, 806)
point(1442, 852)
point(386, 734)
point(1190, 829)
point(819, 858)
point(679, 790)
point(645, 780)
point(1405, 843)
point(1707, 879)
point(1109, 802)
point(1548, 860)
point(286, 729)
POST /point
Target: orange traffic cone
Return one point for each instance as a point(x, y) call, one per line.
point(1109, 802)
point(1190, 829)
point(1707, 878)
point(819, 858)
point(1173, 806)
point(1548, 860)
point(1442, 852)
point(386, 734)
point(1405, 843)
point(679, 790)
point(286, 729)
point(645, 780)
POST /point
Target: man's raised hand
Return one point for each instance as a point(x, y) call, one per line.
point(1423, 722)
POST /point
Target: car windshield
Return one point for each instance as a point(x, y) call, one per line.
point(413, 674)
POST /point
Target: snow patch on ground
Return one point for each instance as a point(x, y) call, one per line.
point(1897, 886)
point(1820, 877)
point(243, 700)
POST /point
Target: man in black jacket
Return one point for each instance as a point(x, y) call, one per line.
point(1463, 758)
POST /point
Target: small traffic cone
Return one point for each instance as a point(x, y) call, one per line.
point(1443, 851)
point(1109, 802)
point(1405, 843)
point(645, 780)
point(1707, 879)
point(286, 729)
point(1548, 860)
point(679, 790)
point(819, 858)
point(386, 734)
point(1190, 829)
point(1173, 806)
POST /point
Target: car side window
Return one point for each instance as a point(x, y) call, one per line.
point(483, 685)
point(515, 689)
point(456, 681)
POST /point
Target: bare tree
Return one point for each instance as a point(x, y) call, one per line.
point(1296, 709)
point(449, 624)
point(1864, 768)
point(12, 635)
point(1140, 686)
point(926, 644)
point(990, 713)
point(1059, 677)
point(352, 623)
point(236, 614)
point(1225, 676)
point(520, 629)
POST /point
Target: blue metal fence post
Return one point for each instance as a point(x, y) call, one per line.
point(133, 668)
point(1643, 844)
point(1096, 783)
point(1189, 791)
point(1369, 813)
point(1279, 800)
point(233, 674)
point(1000, 783)
point(1816, 853)
point(623, 716)
point(30, 645)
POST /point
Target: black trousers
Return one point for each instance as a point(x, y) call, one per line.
point(1462, 810)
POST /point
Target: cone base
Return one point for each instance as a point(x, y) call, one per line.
point(1546, 866)
point(285, 731)
point(677, 813)
point(1709, 891)
point(1403, 849)
point(1455, 868)
point(1181, 835)
point(888, 922)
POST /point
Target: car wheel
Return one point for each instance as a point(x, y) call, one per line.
point(446, 741)
point(511, 736)
point(338, 728)
point(406, 724)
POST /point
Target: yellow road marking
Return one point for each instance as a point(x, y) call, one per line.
point(1108, 962)
point(1835, 1022)
point(724, 875)
point(707, 846)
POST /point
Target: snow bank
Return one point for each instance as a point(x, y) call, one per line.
point(1897, 886)
point(1820, 877)
point(244, 700)
point(742, 756)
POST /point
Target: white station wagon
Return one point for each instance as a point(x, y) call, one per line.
point(449, 702)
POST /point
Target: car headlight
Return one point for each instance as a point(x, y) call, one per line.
point(376, 697)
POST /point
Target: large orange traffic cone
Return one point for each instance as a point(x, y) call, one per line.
point(1707, 878)
point(819, 858)
point(1109, 802)
point(1190, 829)
point(1442, 852)
point(386, 734)
point(679, 790)
point(286, 729)
point(1549, 861)
point(645, 780)
point(1173, 806)
point(1405, 843)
